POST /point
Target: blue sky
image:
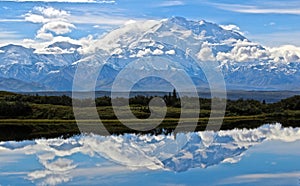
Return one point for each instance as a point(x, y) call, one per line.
point(269, 22)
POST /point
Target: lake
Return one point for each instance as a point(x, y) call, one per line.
point(268, 155)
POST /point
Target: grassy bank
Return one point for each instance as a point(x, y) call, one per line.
point(20, 129)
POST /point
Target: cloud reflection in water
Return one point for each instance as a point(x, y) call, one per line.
point(62, 160)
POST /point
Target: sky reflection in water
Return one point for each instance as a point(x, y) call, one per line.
point(265, 156)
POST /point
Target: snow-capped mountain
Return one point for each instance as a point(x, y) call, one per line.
point(28, 67)
point(181, 42)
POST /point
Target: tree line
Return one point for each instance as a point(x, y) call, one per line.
point(60, 107)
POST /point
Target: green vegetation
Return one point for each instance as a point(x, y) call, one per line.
point(32, 116)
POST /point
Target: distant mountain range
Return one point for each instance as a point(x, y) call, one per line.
point(246, 65)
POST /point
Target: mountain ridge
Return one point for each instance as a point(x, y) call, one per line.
point(245, 65)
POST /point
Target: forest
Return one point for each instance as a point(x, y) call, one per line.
point(34, 116)
point(18, 106)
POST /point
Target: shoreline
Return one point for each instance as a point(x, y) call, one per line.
point(28, 129)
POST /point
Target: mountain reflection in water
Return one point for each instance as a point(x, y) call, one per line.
point(81, 158)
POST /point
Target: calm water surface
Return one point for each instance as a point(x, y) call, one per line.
point(268, 155)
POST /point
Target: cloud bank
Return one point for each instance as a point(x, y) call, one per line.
point(248, 51)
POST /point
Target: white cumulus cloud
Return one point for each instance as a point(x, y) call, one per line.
point(158, 52)
point(232, 27)
point(45, 14)
point(51, 12)
point(205, 53)
point(54, 21)
point(244, 51)
point(170, 52)
point(34, 18)
point(58, 27)
point(285, 53)
point(44, 36)
point(247, 51)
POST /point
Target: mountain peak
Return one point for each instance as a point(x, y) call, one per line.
point(14, 47)
point(182, 20)
point(178, 19)
point(209, 31)
point(64, 45)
